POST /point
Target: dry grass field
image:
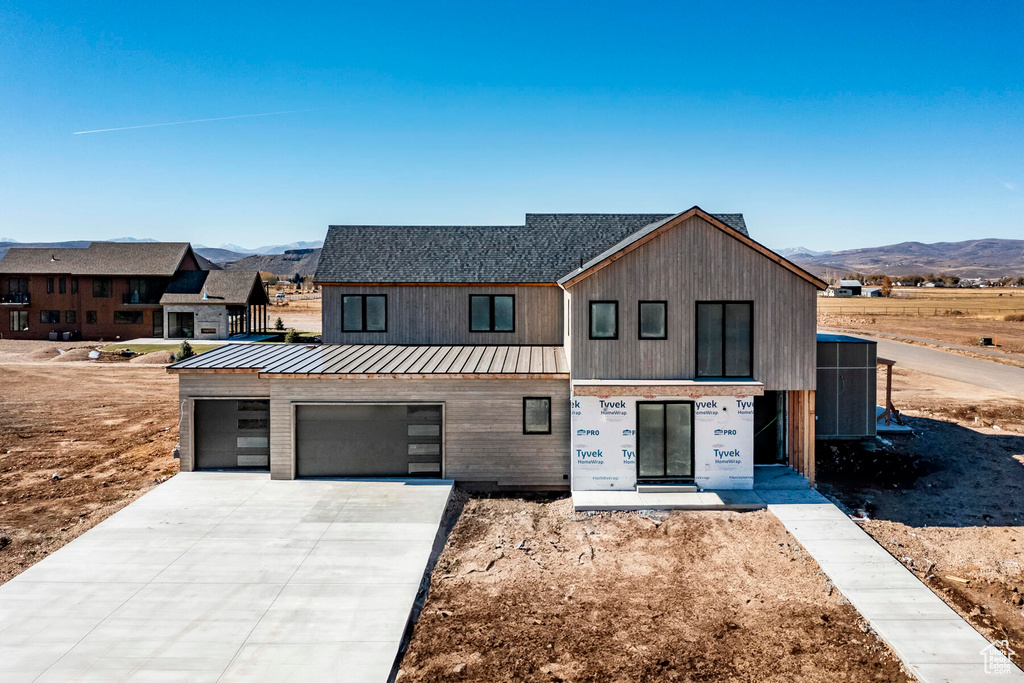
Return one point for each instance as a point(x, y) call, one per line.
point(950, 316)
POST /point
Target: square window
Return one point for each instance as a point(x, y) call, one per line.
point(492, 313)
point(653, 323)
point(90, 317)
point(364, 313)
point(70, 317)
point(536, 415)
point(101, 287)
point(604, 319)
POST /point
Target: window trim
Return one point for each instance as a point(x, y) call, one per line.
point(590, 319)
point(696, 338)
point(490, 314)
point(362, 298)
point(536, 398)
point(639, 319)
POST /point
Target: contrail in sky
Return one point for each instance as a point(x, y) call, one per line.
point(178, 123)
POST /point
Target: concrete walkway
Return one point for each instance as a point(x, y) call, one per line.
point(932, 640)
point(229, 577)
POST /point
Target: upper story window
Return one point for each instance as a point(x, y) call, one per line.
point(101, 287)
point(74, 285)
point(492, 313)
point(364, 313)
point(62, 286)
point(653, 320)
point(604, 319)
point(49, 285)
point(725, 339)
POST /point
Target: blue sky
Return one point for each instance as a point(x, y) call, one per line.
point(830, 125)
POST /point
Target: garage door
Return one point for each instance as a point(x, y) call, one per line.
point(368, 440)
point(232, 434)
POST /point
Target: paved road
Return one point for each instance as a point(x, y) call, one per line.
point(982, 373)
point(229, 577)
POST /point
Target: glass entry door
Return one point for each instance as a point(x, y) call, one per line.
point(664, 433)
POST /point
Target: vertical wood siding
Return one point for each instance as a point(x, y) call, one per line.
point(193, 386)
point(440, 315)
point(696, 262)
point(483, 424)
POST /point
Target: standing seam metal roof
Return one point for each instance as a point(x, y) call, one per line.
point(378, 359)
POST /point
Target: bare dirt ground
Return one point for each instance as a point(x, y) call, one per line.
point(302, 314)
point(106, 429)
point(947, 501)
point(529, 591)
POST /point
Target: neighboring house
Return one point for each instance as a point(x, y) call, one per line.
point(838, 292)
point(108, 290)
point(592, 350)
point(871, 291)
point(214, 304)
point(853, 285)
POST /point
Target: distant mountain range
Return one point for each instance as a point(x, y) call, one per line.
point(970, 258)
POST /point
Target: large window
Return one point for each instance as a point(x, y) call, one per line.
point(725, 339)
point(128, 317)
point(19, 321)
point(604, 319)
point(181, 325)
point(142, 291)
point(364, 313)
point(492, 313)
point(653, 320)
point(49, 317)
point(101, 287)
point(664, 434)
point(158, 323)
point(17, 291)
point(536, 415)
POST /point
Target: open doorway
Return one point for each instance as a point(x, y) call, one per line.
point(770, 428)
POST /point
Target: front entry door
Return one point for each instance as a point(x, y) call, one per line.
point(664, 434)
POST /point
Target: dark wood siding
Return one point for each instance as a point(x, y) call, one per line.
point(439, 314)
point(696, 262)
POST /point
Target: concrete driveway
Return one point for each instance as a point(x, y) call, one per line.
point(229, 577)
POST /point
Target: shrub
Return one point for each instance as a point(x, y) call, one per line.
point(185, 351)
point(292, 337)
point(1015, 318)
point(279, 324)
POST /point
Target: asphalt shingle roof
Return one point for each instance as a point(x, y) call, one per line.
point(223, 287)
point(99, 258)
point(545, 248)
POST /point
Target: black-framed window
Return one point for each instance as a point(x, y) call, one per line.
point(90, 317)
point(604, 319)
point(492, 313)
point(128, 317)
point(74, 285)
point(49, 285)
point(101, 288)
point(70, 317)
point(652, 320)
point(19, 321)
point(537, 415)
point(62, 285)
point(664, 434)
point(725, 339)
point(49, 317)
point(364, 313)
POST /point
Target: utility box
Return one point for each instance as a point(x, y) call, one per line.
point(845, 398)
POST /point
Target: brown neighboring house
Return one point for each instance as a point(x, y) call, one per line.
point(108, 290)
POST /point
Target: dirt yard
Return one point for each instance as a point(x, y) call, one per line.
point(947, 501)
point(529, 591)
point(300, 314)
point(106, 430)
